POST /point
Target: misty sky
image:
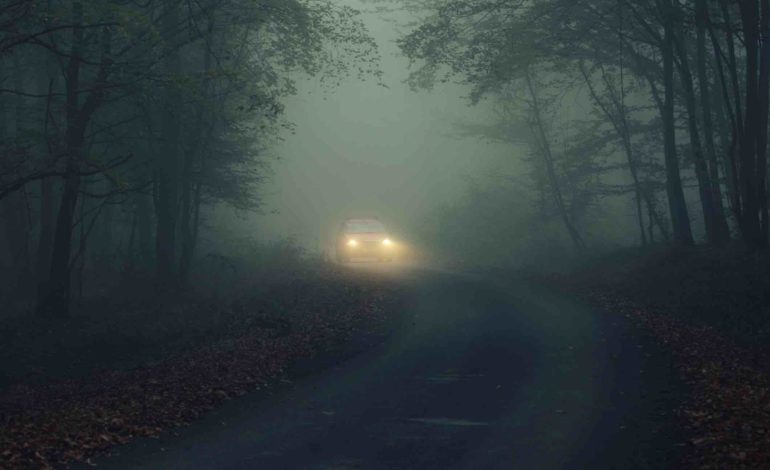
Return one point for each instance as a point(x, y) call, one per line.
point(362, 149)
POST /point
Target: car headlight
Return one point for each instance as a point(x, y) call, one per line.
point(352, 243)
point(387, 242)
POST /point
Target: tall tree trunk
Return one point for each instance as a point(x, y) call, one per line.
point(46, 232)
point(626, 132)
point(736, 111)
point(655, 217)
point(702, 19)
point(715, 223)
point(649, 191)
point(54, 295)
point(45, 237)
point(619, 122)
point(545, 150)
point(680, 219)
point(764, 109)
point(78, 262)
point(190, 196)
point(102, 246)
point(732, 61)
point(750, 167)
point(168, 165)
point(6, 244)
point(729, 135)
point(185, 228)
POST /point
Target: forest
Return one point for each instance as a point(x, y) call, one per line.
point(139, 138)
point(101, 173)
point(662, 104)
point(121, 120)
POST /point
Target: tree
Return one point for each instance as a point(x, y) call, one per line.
point(485, 43)
point(54, 297)
point(171, 102)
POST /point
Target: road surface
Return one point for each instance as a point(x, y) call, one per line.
point(482, 374)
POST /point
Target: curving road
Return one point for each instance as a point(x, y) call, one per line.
point(483, 374)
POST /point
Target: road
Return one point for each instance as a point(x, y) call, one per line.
point(483, 374)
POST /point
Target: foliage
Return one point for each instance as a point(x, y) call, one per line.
point(168, 105)
point(612, 54)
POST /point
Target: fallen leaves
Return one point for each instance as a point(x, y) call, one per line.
point(72, 420)
point(728, 412)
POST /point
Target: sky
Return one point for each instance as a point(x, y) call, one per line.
point(367, 150)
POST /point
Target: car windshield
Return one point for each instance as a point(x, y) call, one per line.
point(364, 226)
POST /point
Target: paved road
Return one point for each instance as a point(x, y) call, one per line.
point(483, 374)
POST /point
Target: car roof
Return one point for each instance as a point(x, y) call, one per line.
point(364, 225)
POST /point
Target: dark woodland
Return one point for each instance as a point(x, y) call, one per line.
point(384, 233)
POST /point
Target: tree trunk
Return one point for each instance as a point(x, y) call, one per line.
point(762, 129)
point(144, 230)
point(729, 134)
point(46, 231)
point(129, 261)
point(750, 167)
point(677, 206)
point(54, 300)
point(716, 226)
point(191, 196)
point(185, 228)
point(545, 150)
point(702, 19)
point(655, 218)
point(168, 165)
point(619, 122)
point(54, 294)
point(732, 62)
point(45, 238)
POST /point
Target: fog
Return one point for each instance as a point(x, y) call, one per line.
point(384, 234)
point(377, 148)
point(493, 135)
point(371, 148)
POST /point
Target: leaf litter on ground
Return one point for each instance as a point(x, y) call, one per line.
point(51, 424)
point(728, 412)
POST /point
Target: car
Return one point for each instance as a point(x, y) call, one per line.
point(364, 238)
